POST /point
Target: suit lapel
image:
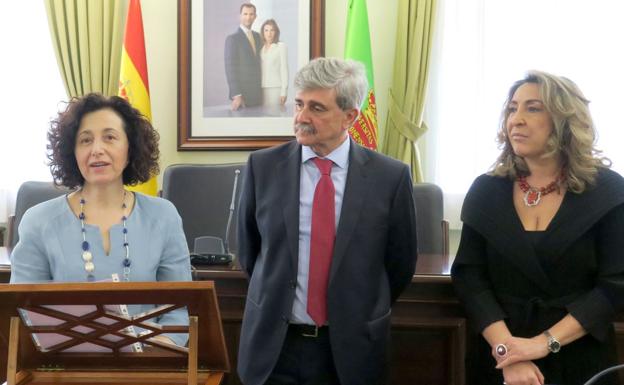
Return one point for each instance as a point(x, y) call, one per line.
point(245, 41)
point(574, 218)
point(353, 199)
point(288, 171)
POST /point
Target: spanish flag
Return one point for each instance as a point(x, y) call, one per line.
point(133, 81)
point(358, 47)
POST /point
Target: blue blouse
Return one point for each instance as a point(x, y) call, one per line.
point(50, 248)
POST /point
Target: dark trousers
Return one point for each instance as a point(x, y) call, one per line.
point(305, 360)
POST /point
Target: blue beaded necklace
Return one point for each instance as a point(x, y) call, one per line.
point(87, 256)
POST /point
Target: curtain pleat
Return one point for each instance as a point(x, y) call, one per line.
point(405, 125)
point(87, 36)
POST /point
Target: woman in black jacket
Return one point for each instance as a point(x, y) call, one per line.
point(540, 266)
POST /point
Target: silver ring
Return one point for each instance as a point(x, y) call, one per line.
point(501, 350)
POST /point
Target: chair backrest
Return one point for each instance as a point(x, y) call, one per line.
point(202, 193)
point(431, 228)
point(29, 195)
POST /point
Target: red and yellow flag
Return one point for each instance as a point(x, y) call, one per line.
point(133, 80)
point(358, 47)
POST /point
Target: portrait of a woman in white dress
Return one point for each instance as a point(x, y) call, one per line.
point(274, 61)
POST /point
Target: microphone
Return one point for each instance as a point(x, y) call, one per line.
point(226, 242)
point(213, 250)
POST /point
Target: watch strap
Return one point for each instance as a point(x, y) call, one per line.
point(553, 344)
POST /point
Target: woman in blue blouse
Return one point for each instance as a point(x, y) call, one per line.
point(96, 146)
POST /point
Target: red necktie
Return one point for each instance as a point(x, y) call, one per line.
point(322, 239)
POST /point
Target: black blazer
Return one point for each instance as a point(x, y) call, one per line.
point(374, 259)
point(576, 267)
point(242, 67)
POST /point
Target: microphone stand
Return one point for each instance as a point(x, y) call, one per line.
point(226, 241)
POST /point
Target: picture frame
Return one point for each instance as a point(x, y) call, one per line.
point(201, 79)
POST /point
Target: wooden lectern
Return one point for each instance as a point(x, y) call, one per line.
point(94, 344)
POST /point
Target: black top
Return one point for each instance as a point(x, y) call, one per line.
point(499, 274)
point(534, 238)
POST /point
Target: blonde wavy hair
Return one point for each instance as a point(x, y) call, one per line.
point(572, 139)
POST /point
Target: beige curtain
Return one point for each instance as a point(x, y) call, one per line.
point(87, 36)
point(407, 95)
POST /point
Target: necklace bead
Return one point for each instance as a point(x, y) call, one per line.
point(533, 195)
point(87, 256)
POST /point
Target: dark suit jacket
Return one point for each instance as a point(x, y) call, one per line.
point(374, 259)
point(242, 67)
point(576, 266)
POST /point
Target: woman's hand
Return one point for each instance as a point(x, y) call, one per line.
point(163, 339)
point(523, 373)
point(282, 100)
point(522, 349)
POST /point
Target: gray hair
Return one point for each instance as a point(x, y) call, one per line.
point(347, 77)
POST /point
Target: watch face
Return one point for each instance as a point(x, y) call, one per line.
point(554, 345)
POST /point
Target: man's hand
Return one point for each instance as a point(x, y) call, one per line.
point(237, 102)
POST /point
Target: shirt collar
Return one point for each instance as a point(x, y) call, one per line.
point(244, 29)
point(340, 155)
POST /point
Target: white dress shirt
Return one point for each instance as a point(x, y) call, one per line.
point(310, 176)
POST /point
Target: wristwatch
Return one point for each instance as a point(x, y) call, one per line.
point(553, 344)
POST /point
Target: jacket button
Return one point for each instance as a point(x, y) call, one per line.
point(293, 284)
point(285, 319)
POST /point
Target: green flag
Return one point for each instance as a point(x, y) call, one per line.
point(358, 47)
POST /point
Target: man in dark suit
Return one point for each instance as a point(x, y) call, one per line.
point(323, 274)
point(242, 61)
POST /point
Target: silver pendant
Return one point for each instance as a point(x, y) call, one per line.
point(532, 197)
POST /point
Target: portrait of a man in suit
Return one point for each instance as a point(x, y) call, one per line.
point(327, 236)
point(242, 61)
point(231, 73)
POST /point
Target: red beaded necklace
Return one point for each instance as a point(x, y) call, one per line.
point(533, 195)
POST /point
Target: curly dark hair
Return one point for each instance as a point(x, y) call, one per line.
point(143, 139)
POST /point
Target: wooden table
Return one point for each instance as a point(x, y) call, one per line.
point(430, 334)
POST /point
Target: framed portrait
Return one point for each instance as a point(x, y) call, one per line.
point(236, 67)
